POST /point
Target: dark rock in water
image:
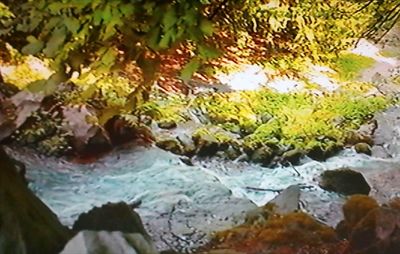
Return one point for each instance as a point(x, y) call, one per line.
point(363, 148)
point(286, 202)
point(171, 145)
point(320, 154)
point(292, 156)
point(111, 217)
point(187, 161)
point(92, 242)
point(27, 225)
point(263, 155)
point(167, 125)
point(344, 181)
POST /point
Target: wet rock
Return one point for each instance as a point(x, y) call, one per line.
point(292, 156)
point(111, 217)
point(92, 242)
point(344, 181)
point(167, 125)
point(171, 144)
point(27, 225)
point(262, 155)
point(363, 148)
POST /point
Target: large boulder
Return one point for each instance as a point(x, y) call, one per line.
point(92, 242)
point(111, 217)
point(27, 225)
point(344, 181)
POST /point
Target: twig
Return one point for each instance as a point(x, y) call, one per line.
point(262, 189)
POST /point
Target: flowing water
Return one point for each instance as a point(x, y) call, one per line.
point(181, 204)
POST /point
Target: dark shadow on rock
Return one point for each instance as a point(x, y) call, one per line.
point(27, 225)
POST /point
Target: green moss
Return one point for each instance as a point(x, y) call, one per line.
point(267, 118)
point(349, 65)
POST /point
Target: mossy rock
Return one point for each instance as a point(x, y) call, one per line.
point(353, 138)
point(206, 145)
point(168, 125)
point(210, 140)
point(344, 181)
point(263, 155)
point(320, 153)
point(292, 156)
point(171, 145)
point(363, 148)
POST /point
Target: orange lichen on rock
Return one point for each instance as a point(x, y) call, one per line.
point(354, 210)
point(291, 233)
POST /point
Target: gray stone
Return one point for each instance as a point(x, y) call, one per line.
point(92, 242)
point(286, 202)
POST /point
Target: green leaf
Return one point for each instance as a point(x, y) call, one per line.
point(166, 39)
point(169, 18)
point(34, 46)
point(55, 42)
point(107, 15)
point(207, 52)
point(127, 9)
point(206, 27)
point(189, 69)
point(72, 24)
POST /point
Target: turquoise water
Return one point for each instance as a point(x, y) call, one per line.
point(201, 196)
